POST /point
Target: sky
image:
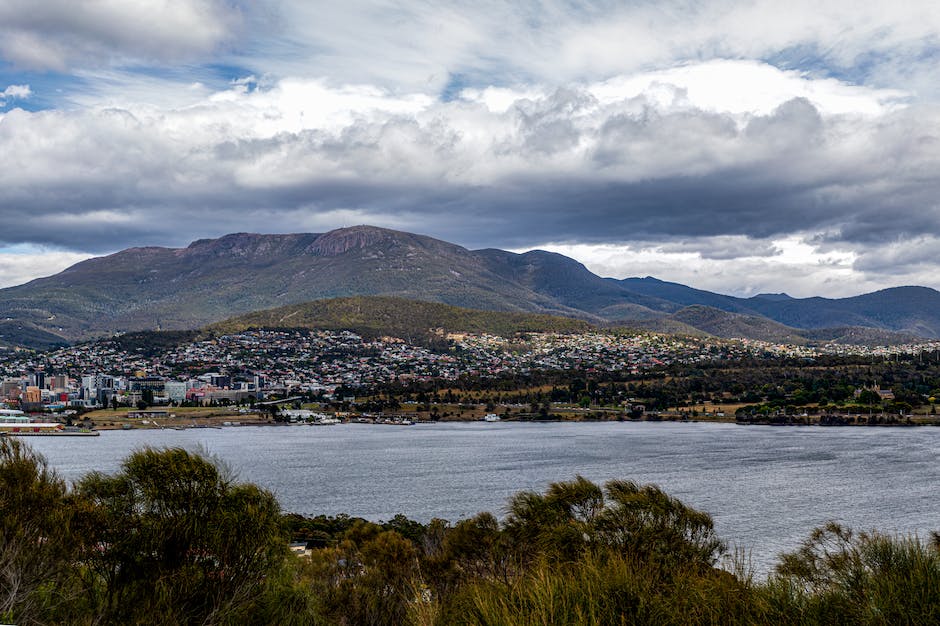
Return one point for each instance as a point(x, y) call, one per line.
point(737, 146)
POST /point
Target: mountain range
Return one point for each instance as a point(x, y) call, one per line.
point(214, 279)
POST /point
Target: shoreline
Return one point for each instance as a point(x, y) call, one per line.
point(770, 424)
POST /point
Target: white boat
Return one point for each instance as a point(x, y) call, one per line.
point(326, 420)
point(491, 417)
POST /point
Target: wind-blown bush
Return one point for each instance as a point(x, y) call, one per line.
point(178, 542)
point(838, 575)
point(646, 523)
point(36, 540)
point(623, 553)
point(641, 522)
point(368, 579)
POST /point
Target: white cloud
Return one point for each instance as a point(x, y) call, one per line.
point(636, 158)
point(746, 87)
point(418, 46)
point(14, 92)
point(116, 89)
point(21, 264)
point(789, 264)
point(61, 34)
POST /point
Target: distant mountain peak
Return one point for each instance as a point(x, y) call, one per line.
point(775, 296)
point(907, 289)
point(343, 240)
point(247, 245)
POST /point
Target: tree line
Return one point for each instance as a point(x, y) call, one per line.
point(774, 382)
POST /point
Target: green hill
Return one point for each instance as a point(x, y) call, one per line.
point(17, 334)
point(412, 320)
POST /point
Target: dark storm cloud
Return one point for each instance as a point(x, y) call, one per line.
point(563, 167)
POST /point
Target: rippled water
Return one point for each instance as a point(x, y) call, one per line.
point(766, 487)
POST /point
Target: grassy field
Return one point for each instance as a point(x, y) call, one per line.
point(178, 416)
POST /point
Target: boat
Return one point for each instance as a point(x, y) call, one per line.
point(491, 417)
point(322, 419)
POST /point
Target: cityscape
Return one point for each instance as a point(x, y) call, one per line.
point(257, 365)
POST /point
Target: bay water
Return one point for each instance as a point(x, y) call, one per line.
point(766, 487)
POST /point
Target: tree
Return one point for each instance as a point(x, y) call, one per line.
point(869, 397)
point(177, 541)
point(474, 549)
point(275, 412)
point(368, 578)
point(642, 522)
point(36, 539)
point(558, 524)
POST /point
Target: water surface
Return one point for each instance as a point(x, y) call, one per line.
point(766, 487)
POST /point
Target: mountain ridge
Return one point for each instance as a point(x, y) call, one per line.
point(147, 288)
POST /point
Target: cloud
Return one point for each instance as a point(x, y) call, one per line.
point(14, 92)
point(416, 46)
point(60, 34)
point(578, 160)
point(789, 264)
point(638, 158)
point(412, 45)
point(23, 263)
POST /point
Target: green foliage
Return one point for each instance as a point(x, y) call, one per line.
point(558, 525)
point(175, 537)
point(642, 522)
point(864, 578)
point(150, 343)
point(645, 522)
point(36, 538)
point(171, 539)
point(368, 579)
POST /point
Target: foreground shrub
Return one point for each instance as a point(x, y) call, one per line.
point(37, 545)
point(611, 590)
point(369, 578)
point(865, 578)
point(640, 522)
point(175, 541)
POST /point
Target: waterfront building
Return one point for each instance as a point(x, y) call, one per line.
point(175, 390)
